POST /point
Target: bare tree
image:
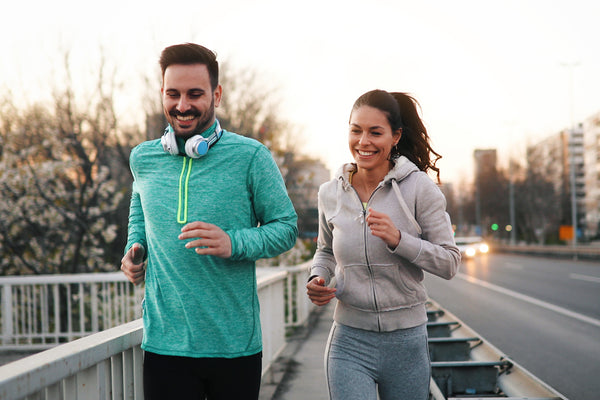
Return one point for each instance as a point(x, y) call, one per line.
point(59, 191)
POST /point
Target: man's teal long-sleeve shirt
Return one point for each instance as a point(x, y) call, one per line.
point(206, 306)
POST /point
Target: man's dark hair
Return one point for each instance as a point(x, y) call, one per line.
point(188, 54)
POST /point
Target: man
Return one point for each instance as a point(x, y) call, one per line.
point(206, 203)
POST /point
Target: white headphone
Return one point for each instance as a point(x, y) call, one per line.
point(195, 147)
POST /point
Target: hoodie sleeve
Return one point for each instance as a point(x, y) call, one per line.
point(324, 261)
point(435, 251)
point(277, 230)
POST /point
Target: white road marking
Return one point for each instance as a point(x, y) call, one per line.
point(587, 278)
point(540, 303)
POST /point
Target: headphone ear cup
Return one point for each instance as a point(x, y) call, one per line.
point(196, 146)
point(168, 141)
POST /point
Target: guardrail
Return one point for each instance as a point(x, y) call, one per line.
point(39, 312)
point(583, 252)
point(466, 365)
point(108, 364)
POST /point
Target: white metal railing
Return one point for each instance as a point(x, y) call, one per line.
point(297, 305)
point(39, 312)
point(108, 364)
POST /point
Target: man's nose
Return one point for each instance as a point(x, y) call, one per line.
point(183, 105)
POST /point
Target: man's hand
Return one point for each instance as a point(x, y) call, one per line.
point(132, 264)
point(209, 240)
point(318, 293)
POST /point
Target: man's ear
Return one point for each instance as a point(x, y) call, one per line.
point(217, 94)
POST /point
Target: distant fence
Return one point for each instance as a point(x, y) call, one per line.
point(108, 364)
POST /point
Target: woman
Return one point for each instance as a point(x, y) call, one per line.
point(382, 222)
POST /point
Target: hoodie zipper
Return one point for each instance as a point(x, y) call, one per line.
point(365, 233)
point(182, 198)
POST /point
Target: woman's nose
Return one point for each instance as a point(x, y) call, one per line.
point(364, 139)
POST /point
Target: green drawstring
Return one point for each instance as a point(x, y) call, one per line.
point(183, 192)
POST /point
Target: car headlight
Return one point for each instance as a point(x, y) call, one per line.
point(470, 252)
point(484, 248)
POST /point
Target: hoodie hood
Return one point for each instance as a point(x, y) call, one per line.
point(403, 167)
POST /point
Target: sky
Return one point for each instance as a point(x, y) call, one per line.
point(487, 74)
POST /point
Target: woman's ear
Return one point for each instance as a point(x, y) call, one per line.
point(398, 134)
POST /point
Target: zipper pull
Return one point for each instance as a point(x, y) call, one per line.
point(361, 217)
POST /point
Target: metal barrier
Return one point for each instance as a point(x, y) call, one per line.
point(582, 251)
point(39, 312)
point(108, 364)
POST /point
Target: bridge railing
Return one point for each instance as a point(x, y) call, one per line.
point(108, 364)
point(39, 312)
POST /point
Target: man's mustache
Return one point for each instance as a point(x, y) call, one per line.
point(175, 113)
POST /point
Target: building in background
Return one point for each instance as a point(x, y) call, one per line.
point(303, 178)
point(485, 174)
point(560, 159)
point(591, 176)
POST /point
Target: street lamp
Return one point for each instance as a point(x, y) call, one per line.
point(571, 66)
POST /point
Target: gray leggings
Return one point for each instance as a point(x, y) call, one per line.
point(359, 364)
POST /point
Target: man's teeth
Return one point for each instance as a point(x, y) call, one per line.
point(365, 153)
point(185, 117)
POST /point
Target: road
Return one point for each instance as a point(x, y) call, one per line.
point(543, 313)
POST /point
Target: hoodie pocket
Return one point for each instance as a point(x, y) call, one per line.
point(354, 287)
point(396, 287)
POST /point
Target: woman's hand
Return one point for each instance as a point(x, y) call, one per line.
point(318, 293)
point(381, 225)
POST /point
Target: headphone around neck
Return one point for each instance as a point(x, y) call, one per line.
point(195, 147)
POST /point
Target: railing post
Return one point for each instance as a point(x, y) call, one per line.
point(7, 314)
point(94, 306)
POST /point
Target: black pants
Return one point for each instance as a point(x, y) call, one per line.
point(183, 378)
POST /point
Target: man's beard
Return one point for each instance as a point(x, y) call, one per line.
point(202, 123)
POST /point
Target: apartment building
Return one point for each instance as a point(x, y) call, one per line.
point(591, 175)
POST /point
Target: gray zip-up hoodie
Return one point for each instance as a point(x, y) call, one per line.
point(379, 288)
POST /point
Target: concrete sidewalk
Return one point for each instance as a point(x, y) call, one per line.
point(299, 372)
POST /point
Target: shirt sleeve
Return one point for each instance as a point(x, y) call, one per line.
point(136, 230)
point(277, 220)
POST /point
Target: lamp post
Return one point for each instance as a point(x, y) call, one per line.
point(571, 66)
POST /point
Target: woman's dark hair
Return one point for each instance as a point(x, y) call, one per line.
point(191, 53)
point(401, 111)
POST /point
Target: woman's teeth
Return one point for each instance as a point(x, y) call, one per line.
point(365, 153)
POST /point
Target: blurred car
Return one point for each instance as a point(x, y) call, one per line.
point(470, 246)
